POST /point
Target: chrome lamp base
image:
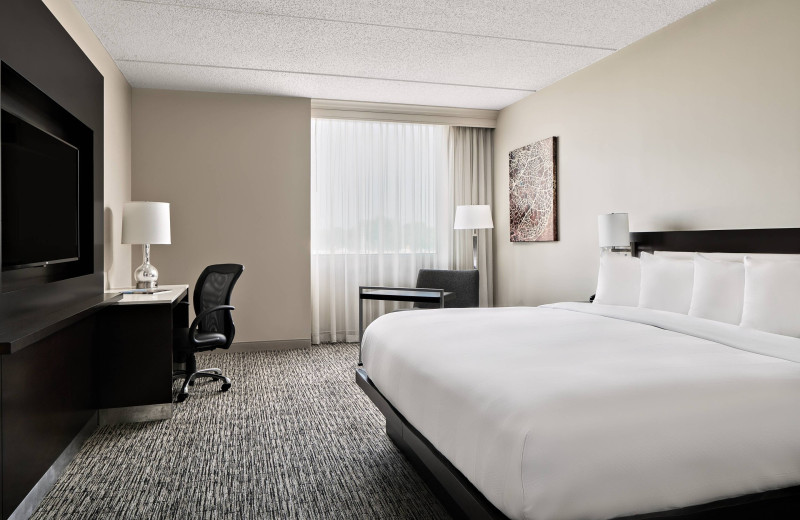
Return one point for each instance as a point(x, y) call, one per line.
point(475, 249)
point(146, 275)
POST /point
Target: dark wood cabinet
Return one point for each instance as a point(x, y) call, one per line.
point(133, 357)
point(47, 399)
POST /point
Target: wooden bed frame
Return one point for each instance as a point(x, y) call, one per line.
point(463, 500)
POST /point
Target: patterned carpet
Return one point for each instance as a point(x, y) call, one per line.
point(294, 438)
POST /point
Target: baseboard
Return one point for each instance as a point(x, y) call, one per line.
point(132, 414)
point(260, 346)
point(35, 496)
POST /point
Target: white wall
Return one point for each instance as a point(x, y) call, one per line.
point(694, 127)
point(117, 146)
point(236, 170)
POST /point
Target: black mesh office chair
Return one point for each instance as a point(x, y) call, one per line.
point(463, 285)
point(212, 328)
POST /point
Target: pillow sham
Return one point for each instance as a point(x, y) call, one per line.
point(718, 290)
point(618, 280)
point(772, 296)
point(666, 283)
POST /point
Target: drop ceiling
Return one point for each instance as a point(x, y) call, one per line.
point(469, 53)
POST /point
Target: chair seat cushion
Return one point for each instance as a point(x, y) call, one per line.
point(209, 339)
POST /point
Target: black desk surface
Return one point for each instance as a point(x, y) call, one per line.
point(18, 334)
point(402, 295)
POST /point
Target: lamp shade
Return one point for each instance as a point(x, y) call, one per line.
point(612, 230)
point(146, 223)
point(473, 217)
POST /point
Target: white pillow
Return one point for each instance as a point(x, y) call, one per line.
point(666, 283)
point(772, 296)
point(618, 280)
point(718, 292)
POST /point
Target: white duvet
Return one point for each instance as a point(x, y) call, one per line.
point(561, 413)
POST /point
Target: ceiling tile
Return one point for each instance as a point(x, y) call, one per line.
point(599, 23)
point(482, 52)
point(168, 34)
point(149, 75)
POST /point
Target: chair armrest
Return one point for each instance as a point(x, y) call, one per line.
point(196, 322)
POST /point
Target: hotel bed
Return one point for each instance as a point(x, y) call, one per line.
point(578, 411)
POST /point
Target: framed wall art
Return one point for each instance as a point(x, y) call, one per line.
point(533, 191)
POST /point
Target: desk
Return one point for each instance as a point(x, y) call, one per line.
point(396, 294)
point(134, 354)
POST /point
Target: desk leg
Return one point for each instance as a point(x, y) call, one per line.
point(360, 324)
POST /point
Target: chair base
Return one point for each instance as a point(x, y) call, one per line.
point(191, 374)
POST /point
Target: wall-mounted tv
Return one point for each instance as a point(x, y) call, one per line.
point(40, 187)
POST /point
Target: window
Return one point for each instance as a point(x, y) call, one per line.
point(379, 214)
point(376, 187)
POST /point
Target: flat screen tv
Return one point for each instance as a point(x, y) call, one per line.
point(39, 183)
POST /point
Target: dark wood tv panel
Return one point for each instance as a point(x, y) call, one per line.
point(49, 314)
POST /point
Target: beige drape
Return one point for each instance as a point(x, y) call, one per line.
point(470, 181)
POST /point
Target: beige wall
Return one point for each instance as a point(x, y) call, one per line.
point(117, 147)
point(694, 127)
point(236, 170)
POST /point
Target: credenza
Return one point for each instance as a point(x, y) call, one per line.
point(104, 360)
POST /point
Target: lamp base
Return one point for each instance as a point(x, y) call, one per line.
point(475, 249)
point(146, 275)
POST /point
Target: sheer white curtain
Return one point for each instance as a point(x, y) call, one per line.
point(380, 211)
point(470, 161)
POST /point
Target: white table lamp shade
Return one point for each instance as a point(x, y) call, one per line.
point(146, 223)
point(613, 230)
point(473, 217)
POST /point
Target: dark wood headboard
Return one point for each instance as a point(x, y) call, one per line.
point(778, 240)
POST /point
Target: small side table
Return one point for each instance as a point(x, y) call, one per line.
point(395, 294)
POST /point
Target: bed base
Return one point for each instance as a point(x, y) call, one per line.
point(453, 490)
point(464, 501)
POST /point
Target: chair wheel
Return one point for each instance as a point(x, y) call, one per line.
point(181, 398)
point(225, 387)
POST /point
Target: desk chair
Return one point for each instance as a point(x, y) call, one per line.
point(463, 285)
point(212, 328)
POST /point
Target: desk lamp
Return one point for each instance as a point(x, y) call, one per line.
point(146, 223)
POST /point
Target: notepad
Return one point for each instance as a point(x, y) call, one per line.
point(144, 291)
